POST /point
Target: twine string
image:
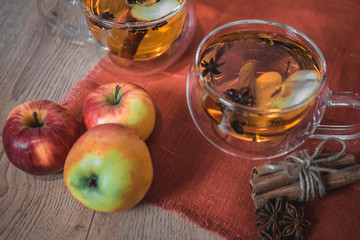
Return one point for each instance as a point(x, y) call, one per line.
point(307, 167)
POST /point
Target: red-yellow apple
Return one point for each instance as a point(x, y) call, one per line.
point(123, 103)
point(37, 136)
point(109, 168)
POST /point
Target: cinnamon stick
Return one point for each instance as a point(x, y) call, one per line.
point(292, 191)
point(131, 43)
point(247, 75)
point(265, 183)
point(262, 170)
point(132, 39)
point(343, 161)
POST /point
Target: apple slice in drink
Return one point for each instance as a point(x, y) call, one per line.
point(272, 92)
point(296, 89)
point(152, 10)
point(265, 86)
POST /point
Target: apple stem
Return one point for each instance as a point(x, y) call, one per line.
point(37, 123)
point(117, 95)
point(92, 182)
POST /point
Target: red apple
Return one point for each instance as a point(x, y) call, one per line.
point(109, 168)
point(124, 103)
point(38, 135)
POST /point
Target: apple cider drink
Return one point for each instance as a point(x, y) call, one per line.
point(144, 35)
point(262, 71)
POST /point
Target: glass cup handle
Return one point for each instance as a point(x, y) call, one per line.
point(60, 14)
point(344, 132)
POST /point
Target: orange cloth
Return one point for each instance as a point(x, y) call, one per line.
point(202, 183)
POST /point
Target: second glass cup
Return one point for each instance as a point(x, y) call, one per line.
point(141, 37)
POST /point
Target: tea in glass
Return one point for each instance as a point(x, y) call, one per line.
point(136, 29)
point(260, 70)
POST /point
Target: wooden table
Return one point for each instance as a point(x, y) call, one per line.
point(36, 62)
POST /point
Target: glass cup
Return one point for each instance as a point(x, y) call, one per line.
point(257, 90)
point(140, 37)
point(60, 14)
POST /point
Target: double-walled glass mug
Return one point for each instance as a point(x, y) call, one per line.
point(257, 90)
point(60, 14)
point(141, 37)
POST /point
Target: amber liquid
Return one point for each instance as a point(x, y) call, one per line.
point(273, 53)
point(139, 43)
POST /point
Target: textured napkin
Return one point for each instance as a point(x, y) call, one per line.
point(199, 181)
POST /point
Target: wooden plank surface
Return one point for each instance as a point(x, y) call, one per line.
point(38, 62)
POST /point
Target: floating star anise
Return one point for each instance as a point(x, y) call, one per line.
point(159, 25)
point(271, 217)
point(212, 66)
point(294, 222)
point(105, 15)
point(141, 30)
point(237, 126)
point(241, 96)
point(135, 1)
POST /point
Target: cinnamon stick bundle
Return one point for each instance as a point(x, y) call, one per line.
point(265, 179)
point(292, 191)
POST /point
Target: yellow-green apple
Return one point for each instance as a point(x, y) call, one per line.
point(109, 168)
point(123, 103)
point(37, 136)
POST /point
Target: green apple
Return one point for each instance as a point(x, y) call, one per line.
point(109, 168)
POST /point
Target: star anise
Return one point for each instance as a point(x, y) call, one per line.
point(105, 15)
point(159, 25)
point(294, 222)
point(141, 30)
point(271, 217)
point(212, 66)
point(237, 126)
point(135, 1)
point(241, 96)
point(281, 221)
point(264, 235)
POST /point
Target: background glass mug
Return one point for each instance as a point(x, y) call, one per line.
point(141, 37)
point(60, 14)
point(257, 90)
